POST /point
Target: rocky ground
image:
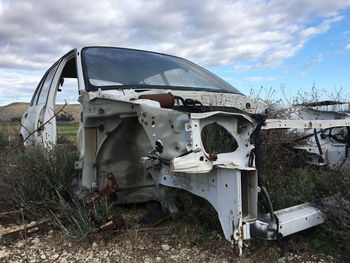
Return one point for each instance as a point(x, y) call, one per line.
point(172, 241)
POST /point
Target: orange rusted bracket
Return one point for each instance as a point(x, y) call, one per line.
point(115, 222)
point(28, 231)
point(110, 188)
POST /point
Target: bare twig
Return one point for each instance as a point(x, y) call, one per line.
point(25, 236)
point(10, 213)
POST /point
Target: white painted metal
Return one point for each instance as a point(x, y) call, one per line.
point(304, 124)
point(221, 187)
point(298, 218)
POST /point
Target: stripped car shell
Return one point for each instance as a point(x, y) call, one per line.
point(324, 145)
point(149, 134)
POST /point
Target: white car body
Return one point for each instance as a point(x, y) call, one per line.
point(146, 147)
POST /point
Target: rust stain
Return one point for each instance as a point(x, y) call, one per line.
point(241, 233)
point(213, 157)
point(165, 100)
point(110, 188)
point(28, 231)
point(114, 223)
point(278, 121)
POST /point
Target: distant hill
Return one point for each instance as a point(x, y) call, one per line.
point(16, 110)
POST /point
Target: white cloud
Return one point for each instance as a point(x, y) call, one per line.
point(33, 34)
point(303, 74)
point(260, 78)
point(17, 86)
point(255, 79)
point(347, 47)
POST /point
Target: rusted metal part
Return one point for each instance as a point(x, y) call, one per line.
point(165, 100)
point(28, 231)
point(110, 188)
point(213, 157)
point(114, 223)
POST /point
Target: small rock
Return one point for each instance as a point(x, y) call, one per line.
point(165, 247)
point(158, 259)
point(19, 244)
point(36, 241)
point(42, 256)
point(3, 254)
point(94, 245)
point(54, 257)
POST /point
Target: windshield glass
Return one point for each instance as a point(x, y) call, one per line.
point(115, 68)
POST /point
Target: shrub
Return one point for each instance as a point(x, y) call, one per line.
point(282, 166)
point(3, 141)
point(16, 119)
point(65, 117)
point(338, 214)
point(35, 178)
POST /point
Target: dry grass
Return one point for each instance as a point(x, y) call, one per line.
point(16, 110)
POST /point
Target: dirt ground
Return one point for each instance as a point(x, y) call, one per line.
point(171, 241)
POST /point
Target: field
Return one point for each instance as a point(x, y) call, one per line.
point(14, 111)
point(65, 130)
point(68, 130)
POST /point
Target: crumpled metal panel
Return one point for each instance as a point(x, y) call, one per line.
point(199, 161)
point(166, 126)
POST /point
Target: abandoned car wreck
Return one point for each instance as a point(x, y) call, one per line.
point(149, 121)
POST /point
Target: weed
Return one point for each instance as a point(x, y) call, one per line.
point(338, 214)
point(76, 217)
point(32, 178)
point(3, 141)
point(100, 211)
point(6, 241)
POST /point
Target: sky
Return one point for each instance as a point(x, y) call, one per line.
point(271, 49)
